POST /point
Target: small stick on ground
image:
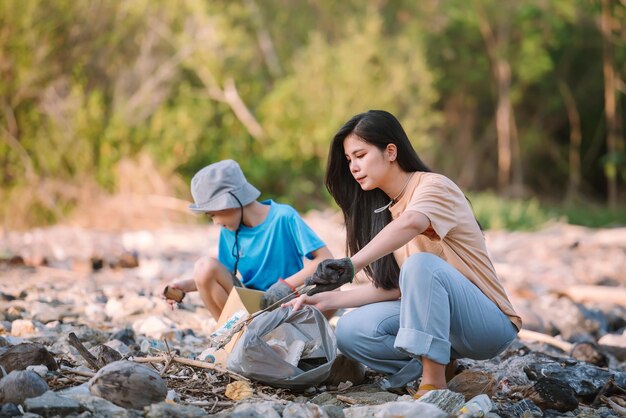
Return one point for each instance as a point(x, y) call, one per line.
point(190, 362)
point(75, 342)
point(78, 372)
point(607, 386)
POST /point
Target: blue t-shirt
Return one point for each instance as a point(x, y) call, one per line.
point(271, 250)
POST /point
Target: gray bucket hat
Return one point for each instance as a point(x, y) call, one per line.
point(210, 188)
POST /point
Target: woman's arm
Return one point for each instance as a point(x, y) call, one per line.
point(360, 296)
point(320, 254)
point(393, 236)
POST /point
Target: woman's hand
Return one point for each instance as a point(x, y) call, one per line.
point(330, 275)
point(319, 301)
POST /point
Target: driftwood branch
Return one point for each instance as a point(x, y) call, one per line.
point(604, 294)
point(75, 342)
point(189, 362)
point(77, 372)
point(525, 334)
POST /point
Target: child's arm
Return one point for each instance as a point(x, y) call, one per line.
point(319, 255)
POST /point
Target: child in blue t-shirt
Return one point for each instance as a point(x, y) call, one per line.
point(265, 242)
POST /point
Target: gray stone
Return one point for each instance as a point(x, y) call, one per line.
point(585, 379)
point(396, 409)
point(369, 398)
point(20, 385)
point(525, 408)
point(298, 410)
point(101, 407)
point(333, 411)
point(118, 346)
point(24, 327)
point(167, 410)
point(50, 404)
point(9, 410)
point(326, 398)
point(265, 409)
point(445, 399)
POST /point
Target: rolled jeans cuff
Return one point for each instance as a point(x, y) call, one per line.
point(417, 343)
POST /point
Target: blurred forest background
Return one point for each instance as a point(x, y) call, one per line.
point(520, 102)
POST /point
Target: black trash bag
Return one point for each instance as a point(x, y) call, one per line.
point(286, 349)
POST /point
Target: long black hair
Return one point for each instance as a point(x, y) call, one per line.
point(378, 128)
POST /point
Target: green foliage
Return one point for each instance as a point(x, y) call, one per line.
point(86, 85)
point(494, 212)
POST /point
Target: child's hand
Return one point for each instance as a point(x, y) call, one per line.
point(173, 294)
point(279, 290)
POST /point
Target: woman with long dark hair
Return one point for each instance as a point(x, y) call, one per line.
point(434, 295)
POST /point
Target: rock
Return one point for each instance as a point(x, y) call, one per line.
point(368, 398)
point(40, 369)
point(238, 390)
point(524, 408)
point(88, 334)
point(9, 410)
point(266, 409)
point(589, 353)
point(95, 312)
point(585, 379)
point(308, 410)
point(50, 404)
point(26, 354)
point(325, 398)
point(128, 260)
point(345, 369)
point(20, 385)
point(126, 335)
point(118, 346)
point(105, 354)
point(130, 304)
point(45, 312)
point(100, 407)
point(155, 327)
point(128, 384)
point(569, 318)
point(167, 410)
point(445, 400)
point(23, 327)
point(473, 383)
point(80, 390)
point(3, 342)
point(550, 393)
point(396, 409)
point(333, 411)
point(13, 313)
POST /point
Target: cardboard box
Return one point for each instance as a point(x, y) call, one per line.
point(240, 298)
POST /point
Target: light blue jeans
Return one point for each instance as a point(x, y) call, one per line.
point(441, 315)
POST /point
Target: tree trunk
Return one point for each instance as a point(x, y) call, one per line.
point(503, 122)
point(611, 169)
point(495, 43)
point(575, 140)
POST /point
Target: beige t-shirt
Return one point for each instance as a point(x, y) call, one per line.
point(453, 235)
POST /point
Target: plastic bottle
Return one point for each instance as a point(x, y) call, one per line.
point(476, 407)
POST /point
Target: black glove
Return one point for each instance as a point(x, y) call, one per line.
point(276, 292)
point(330, 275)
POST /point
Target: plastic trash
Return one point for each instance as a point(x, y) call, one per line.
point(476, 407)
point(288, 349)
